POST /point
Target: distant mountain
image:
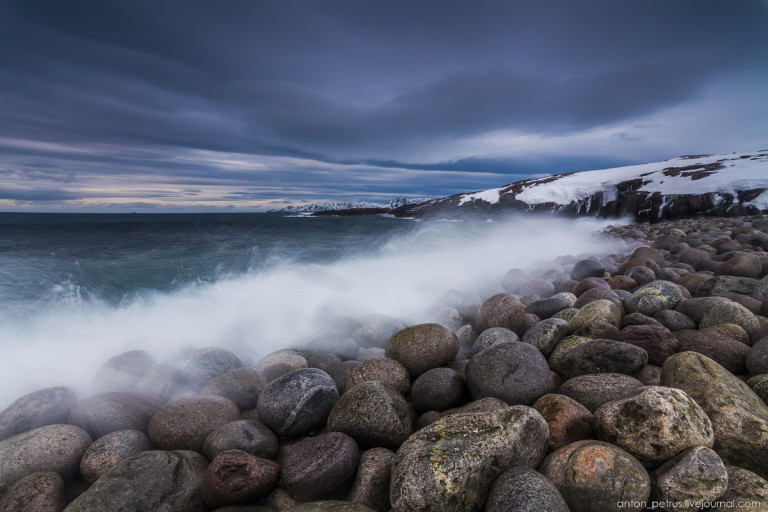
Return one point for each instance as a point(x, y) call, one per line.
point(721, 185)
point(309, 209)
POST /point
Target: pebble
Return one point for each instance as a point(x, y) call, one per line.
point(185, 423)
point(371, 485)
point(382, 369)
point(524, 490)
point(438, 389)
point(235, 477)
point(320, 465)
point(568, 420)
point(249, 436)
point(109, 450)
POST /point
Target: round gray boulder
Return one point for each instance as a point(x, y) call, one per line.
point(298, 402)
point(514, 372)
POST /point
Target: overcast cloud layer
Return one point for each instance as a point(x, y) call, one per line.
point(173, 105)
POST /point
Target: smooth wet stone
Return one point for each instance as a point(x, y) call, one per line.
point(757, 358)
point(422, 347)
point(371, 485)
point(697, 307)
point(545, 308)
point(318, 466)
point(727, 352)
point(739, 417)
point(597, 389)
point(502, 310)
point(747, 492)
point(47, 406)
point(524, 490)
point(451, 465)
point(639, 319)
point(741, 264)
point(382, 369)
point(593, 476)
point(590, 283)
point(281, 363)
point(546, 334)
point(245, 435)
point(438, 389)
point(654, 425)
point(488, 404)
point(640, 274)
point(598, 330)
point(241, 385)
point(38, 492)
point(185, 423)
point(108, 450)
point(658, 342)
point(154, 480)
point(601, 356)
point(116, 410)
point(235, 477)
point(123, 372)
point(568, 420)
point(695, 475)
point(730, 313)
point(597, 311)
point(514, 372)
point(207, 363)
point(564, 346)
point(620, 282)
point(298, 402)
point(493, 336)
point(373, 414)
point(56, 448)
point(653, 297)
point(674, 320)
point(732, 284)
point(583, 269)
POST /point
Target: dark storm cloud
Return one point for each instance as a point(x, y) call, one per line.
point(383, 83)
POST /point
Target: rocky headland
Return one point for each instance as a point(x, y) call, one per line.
point(594, 383)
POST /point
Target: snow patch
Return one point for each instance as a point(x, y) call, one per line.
point(489, 196)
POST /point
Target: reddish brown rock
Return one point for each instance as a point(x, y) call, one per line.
point(741, 264)
point(235, 477)
point(621, 282)
point(38, 492)
point(568, 420)
point(656, 340)
point(692, 281)
point(727, 352)
point(589, 283)
point(502, 310)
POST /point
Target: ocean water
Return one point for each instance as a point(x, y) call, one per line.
point(76, 289)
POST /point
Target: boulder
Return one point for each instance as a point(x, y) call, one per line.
point(695, 475)
point(656, 340)
point(597, 311)
point(438, 389)
point(546, 334)
point(235, 477)
point(116, 410)
point(593, 476)
point(249, 436)
point(298, 402)
point(730, 313)
point(601, 356)
point(524, 490)
point(185, 423)
point(746, 491)
point(373, 414)
point(123, 372)
point(502, 310)
point(597, 389)
point(320, 465)
point(37, 409)
point(514, 372)
point(739, 417)
point(56, 448)
point(422, 347)
point(653, 297)
point(382, 369)
point(490, 337)
point(108, 450)
point(371, 486)
point(452, 464)
point(241, 385)
point(568, 420)
point(654, 425)
point(38, 492)
point(154, 480)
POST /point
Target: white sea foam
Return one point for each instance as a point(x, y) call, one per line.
point(259, 312)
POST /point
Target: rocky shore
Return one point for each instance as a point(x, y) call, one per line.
point(591, 384)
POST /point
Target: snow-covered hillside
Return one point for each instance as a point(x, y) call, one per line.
point(696, 184)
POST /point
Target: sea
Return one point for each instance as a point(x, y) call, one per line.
point(77, 289)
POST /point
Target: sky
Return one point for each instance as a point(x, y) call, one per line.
point(241, 105)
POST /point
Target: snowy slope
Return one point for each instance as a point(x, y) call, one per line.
point(735, 184)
